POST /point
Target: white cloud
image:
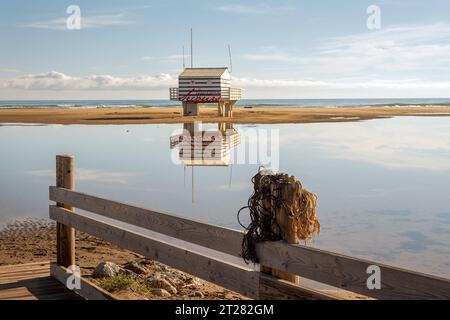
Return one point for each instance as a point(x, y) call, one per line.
point(398, 61)
point(394, 49)
point(59, 81)
point(423, 50)
point(254, 9)
point(408, 61)
point(87, 22)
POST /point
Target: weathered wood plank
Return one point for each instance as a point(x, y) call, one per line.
point(65, 237)
point(350, 273)
point(225, 274)
point(217, 238)
point(57, 288)
point(15, 296)
point(88, 290)
point(25, 265)
point(25, 272)
point(271, 288)
point(53, 296)
point(8, 279)
point(31, 282)
point(28, 266)
point(35, 269)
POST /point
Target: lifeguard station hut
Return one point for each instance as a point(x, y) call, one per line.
point(206, 85)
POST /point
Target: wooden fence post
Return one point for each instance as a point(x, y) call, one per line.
point(289, 234)
point(65, 236)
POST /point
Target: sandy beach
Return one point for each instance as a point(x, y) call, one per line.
point(261, 115)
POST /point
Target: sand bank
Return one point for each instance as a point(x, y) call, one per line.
point(256, 115)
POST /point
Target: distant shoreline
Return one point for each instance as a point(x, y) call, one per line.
point(248, 115)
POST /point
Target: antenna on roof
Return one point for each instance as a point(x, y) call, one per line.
point(184, 60)
point(192, 50)
point(231, 59)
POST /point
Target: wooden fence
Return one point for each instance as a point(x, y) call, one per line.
point(332, 269)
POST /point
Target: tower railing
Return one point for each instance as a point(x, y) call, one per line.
point(235, 94)
point(174, 94)
point(232, 94)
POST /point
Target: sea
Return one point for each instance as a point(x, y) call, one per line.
point(304, 103)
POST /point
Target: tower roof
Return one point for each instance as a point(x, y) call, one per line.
point(203, 72)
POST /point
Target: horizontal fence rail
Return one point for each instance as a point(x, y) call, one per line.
point(350, 273)
point(224, 240)
point(233, 277)
point(332, 269)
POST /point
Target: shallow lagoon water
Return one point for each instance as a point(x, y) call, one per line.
point(383, 185)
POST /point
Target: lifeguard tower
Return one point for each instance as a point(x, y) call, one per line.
point(206, 85)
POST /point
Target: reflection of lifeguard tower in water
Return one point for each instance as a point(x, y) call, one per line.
point(200, 148)
point(206, 148)
point(206, 85)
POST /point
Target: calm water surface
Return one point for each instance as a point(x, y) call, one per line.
point(383, 185)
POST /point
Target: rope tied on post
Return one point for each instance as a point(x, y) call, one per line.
point(280, 209)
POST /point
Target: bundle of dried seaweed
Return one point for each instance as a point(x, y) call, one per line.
point(280, 209)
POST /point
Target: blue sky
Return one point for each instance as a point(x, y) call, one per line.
point(281, 49)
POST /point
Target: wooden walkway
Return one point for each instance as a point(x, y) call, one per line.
point(32, 282)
